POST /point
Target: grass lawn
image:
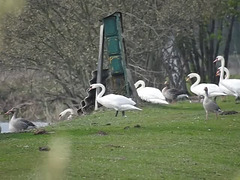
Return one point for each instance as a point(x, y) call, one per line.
point(160, 142)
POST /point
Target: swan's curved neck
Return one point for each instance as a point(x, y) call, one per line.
point(141, 83)
point(103, 89)
point(197, 81)
point(222, 68)
point(227, 73)
point(71, 111)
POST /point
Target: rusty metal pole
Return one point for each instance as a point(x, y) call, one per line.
point(100, 62)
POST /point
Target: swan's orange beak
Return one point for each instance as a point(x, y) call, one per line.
point(218, 73)
point(215, 60)
point(188, 78)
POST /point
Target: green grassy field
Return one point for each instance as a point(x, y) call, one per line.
point(160, 142)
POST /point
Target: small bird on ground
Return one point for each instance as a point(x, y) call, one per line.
point(209, 105)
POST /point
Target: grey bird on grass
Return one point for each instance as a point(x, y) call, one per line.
point(17, 124)
point(209, 105)
point(172, 94)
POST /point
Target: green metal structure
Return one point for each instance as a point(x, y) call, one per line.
point(112, 33)
point(116, 51)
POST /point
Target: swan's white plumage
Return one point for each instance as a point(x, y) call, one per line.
point(198, 89)
point(117, 102)
point(233, 85)
point(114, 101)
point(70, 112)
point(149, 94)
point(222, 87)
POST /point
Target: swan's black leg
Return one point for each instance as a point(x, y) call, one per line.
point(123, 113)
point(116, 114)
point(237, 100)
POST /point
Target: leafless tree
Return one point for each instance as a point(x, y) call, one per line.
point(55, 43)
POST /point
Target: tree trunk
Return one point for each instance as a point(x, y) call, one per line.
point(228, 41)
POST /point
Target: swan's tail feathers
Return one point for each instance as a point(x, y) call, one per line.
point(183, 97)
point(138, 108)
point(158, 101)
point(217, 94)
point(129, 107)
point(133, 103)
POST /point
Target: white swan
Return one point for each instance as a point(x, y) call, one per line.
point(232, 85)
point(113, 101)
point(70, 112)
point(198, 89)
point(227, 76)
point(149, 94)
point(18, 124)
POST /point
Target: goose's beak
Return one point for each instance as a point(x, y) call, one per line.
point(218, 73)
point(8, 112)
point(188, 78)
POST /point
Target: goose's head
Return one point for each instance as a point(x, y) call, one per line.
point(218, 58)
point(11, 111)
point(206, 89)
point(166, 83)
